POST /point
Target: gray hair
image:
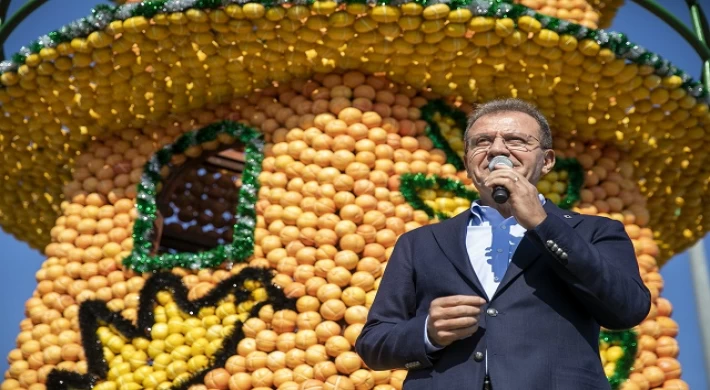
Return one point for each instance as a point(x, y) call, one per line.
point(511, 104)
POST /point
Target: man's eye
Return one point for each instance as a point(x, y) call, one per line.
point(516, 141)
point(483, 142)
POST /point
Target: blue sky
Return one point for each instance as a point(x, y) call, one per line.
point(20, 262)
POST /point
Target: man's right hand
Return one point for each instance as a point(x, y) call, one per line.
point(453, 318)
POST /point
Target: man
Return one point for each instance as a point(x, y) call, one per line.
point(505, 296)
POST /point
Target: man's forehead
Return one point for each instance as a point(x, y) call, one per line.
point(508, 121)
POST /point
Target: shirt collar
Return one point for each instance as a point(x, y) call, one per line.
point(481, 214)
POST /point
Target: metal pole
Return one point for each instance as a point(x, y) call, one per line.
point(701, 287)
point(4, 5)
point(10, 24)
point(700, 47)
point(698, 261)
point(701, 30)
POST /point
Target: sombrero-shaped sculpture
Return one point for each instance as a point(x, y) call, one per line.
point(162, 152)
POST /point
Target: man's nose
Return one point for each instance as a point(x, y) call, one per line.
point(498, 148)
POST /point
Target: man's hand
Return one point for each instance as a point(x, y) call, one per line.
point(453, 318)
point(523, 202)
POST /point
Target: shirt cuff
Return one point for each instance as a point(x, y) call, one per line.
point(430, 348)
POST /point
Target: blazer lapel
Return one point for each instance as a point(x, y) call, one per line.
point(450, 235)
point(524, 255)
point(527, 252)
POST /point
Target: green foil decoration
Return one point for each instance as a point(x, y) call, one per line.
point(434, 132)
point(614, 41)
point(410, 183)
point(575, 180)
point(242, 245)
point(628, 341)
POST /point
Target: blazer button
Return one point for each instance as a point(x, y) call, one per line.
point(478, 356)
point(492, 312)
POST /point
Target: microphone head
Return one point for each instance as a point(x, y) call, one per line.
point(500, 160)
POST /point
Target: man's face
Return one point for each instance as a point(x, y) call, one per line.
point(513, 134)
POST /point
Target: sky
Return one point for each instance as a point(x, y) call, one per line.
point(20, 263)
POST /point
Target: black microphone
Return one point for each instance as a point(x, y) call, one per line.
point(500, 193)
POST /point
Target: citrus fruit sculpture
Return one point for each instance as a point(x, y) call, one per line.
point(217, 185)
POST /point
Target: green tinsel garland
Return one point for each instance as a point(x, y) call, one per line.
point(575, 180)
point(628, 341)
point(242, 245)
point(434, 132)
point(102, 15)
point(410, 183)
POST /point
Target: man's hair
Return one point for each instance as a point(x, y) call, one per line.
point(514, 105)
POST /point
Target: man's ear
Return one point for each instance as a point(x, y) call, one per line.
point(548, 162)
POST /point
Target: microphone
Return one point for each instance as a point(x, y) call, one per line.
point(500, 193)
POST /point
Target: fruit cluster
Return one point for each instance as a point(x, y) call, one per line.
point(589, 13)
point(329, 212)
point(138, 70)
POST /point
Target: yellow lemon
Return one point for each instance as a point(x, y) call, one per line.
point(614, 353)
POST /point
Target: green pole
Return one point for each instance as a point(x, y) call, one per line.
point(701, 30)
point(8, 26)
point(700, 46)
point(4, 5)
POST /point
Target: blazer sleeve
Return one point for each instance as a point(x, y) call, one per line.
point(602, 272)
point(392, 336)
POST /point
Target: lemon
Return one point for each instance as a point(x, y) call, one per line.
point(614, 353)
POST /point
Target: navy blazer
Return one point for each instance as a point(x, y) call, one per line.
point(568, 276)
